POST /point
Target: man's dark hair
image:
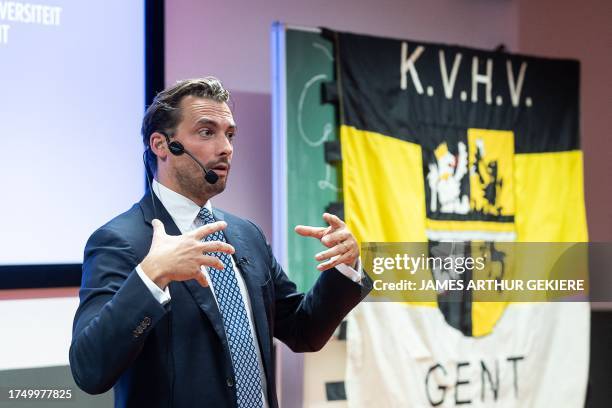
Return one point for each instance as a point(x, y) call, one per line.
point(164, 114)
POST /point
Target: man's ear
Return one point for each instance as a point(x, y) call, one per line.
point(157, 144)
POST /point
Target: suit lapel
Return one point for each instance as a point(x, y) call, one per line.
point(202, 296)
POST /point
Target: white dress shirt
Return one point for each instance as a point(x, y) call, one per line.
point(184, 212)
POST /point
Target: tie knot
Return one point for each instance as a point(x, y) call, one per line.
point(206, 215)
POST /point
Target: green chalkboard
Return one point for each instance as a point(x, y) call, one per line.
point(311, 183)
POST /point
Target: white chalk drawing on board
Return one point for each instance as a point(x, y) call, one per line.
point(327, 128)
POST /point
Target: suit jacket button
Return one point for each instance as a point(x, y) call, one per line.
point(146, 321)
point(230, 381)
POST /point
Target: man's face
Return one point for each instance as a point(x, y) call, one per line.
point(206, 130)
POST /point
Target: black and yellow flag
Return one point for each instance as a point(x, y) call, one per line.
point(443, 142)
point(447, 143)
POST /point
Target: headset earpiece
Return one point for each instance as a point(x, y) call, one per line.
point(176, 148)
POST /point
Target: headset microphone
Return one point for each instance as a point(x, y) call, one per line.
point(177, 149)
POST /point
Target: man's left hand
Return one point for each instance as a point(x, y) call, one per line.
point(343, 247)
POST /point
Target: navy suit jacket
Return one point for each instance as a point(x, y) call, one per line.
point(177, 355)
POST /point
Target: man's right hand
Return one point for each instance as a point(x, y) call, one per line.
point(180, 258)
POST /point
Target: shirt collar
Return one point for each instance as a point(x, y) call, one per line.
point(182, 210)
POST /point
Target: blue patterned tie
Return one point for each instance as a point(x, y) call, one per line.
point(235, 320)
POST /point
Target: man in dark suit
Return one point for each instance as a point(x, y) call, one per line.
point(180, 301)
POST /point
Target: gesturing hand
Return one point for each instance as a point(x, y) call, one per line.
point(179, 258)
point(343, 247)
